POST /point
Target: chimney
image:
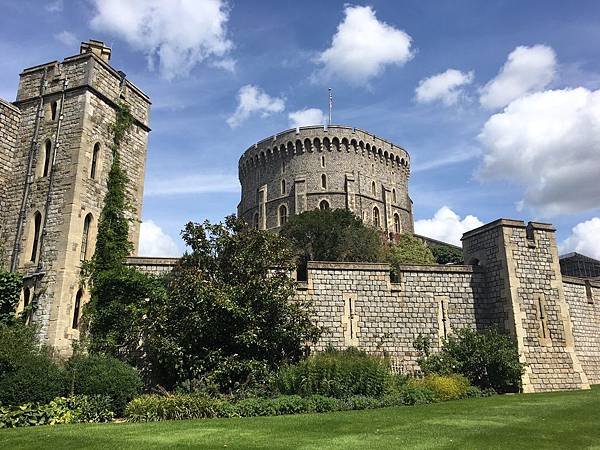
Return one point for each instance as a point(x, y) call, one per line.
point(97, 48)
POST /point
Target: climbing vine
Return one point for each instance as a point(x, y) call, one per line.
point(112, 241)
point(106, 271)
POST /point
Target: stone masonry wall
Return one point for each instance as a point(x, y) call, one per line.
point(583, 299)
point(152, 266)
point(91, 95)
point(357, 305)
point(350, 159)
point(10, 118)
point(525, 291)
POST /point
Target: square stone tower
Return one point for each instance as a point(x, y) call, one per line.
point(55, 157)
point(525, 296)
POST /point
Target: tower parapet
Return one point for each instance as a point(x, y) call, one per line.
point(326, 167)
point(57, 181)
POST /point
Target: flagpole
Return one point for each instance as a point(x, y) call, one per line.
point(330, 105)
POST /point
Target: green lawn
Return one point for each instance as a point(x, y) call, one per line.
point(556, 420)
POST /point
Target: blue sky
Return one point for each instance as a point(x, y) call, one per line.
point(497, 102)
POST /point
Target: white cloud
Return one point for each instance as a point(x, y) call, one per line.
point(363, 46)
point(155, 242)
point(550, 143)
point(55, 6)
point(305, 117)
point(67, 38)
point(446, 226)
point(192, 184)
point(445, 87)
point(584, 239)
point(253, 100)
point(447, 158)
point(180, 33)
point(527, 69)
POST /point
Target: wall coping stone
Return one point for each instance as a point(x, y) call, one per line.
point(384, 267)
point(150, 261)
point(581, 281)
point(9, 105)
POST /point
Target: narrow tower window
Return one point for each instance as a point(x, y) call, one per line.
point(256, 220)
point(396, 223)
point(95, 154)
point(394, 199)
point(282, 215)
point(373, 188)
point(47, 155)
point(76, 309)
point(85, 236)
point(323, 161)
point(26, 301)
point(376, 217)
point(324, 204)
point(324, 181)
point(282, 187)
point(53, 109)
point(37, 224)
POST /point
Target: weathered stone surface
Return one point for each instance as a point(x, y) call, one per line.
point(78, 99)
point(362, 172)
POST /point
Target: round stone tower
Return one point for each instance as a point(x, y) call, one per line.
point(326, 167)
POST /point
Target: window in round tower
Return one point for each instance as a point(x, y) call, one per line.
point(282, 187)
point(396, 223)
point(323, 161)
point(324, 181)
point(376, 222)
point(324, 204)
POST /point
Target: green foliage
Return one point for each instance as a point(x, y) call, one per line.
point(228, 319)
point(487, 359)
point(116, 311)
point(444, 387)
point(112, 247)
point(446, 254)
point(74, 409)
point(10, 291)
point(27, 373)
point(408, 250)
point(193, 406)
point(331, 235)
point(176, 407)
point(339, 374)
point(104, 376)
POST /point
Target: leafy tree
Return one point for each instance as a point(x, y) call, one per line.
point(408, 250)
point(487, 358)
point(446, 254)
point(228, 319)
point(331, 235)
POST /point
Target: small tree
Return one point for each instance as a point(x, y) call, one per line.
point(229, 318)
point(331, 235)
point(408, 250)
point(446, 254)
point(487, 358)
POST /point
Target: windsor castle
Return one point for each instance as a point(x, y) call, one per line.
point(54, 160)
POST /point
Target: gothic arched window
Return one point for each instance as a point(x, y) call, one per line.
point(95, 155)
point(396, 223)
point(47, 155)
point(324, 204)
point(77, 309)
point(37, 225)
point(85, 236)
point(283, 215)
point(376, 221)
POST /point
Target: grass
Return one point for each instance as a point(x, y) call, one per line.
point(558, 420)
